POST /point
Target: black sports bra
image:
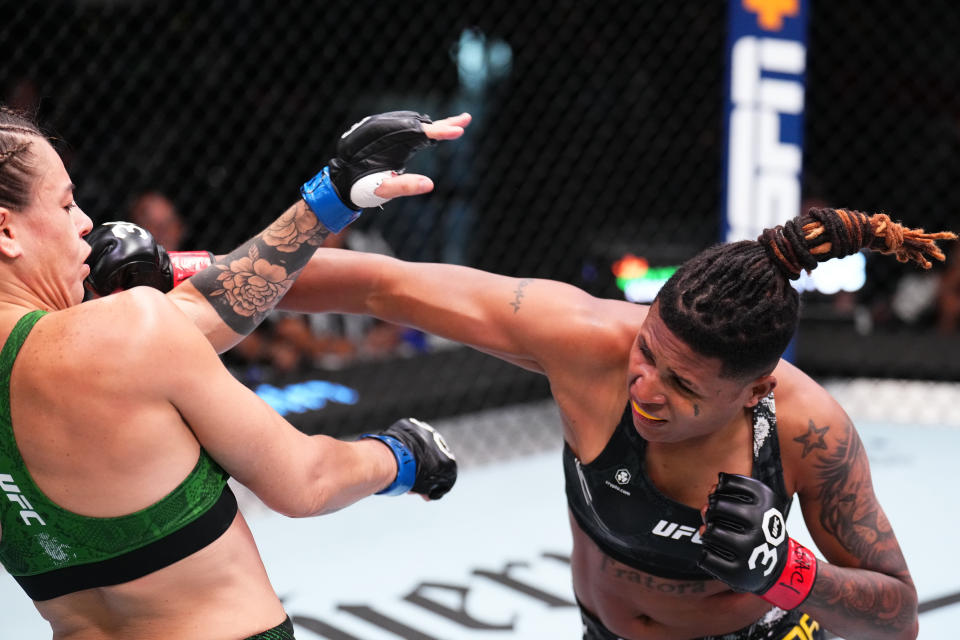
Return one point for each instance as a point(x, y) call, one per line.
point(618, 506)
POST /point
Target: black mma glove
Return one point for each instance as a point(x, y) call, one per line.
point(368, 152)
point(745, 543)
point(425, 464)
point(124, 255)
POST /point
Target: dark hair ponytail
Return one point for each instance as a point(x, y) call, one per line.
point(734, 301)
point(822, 234)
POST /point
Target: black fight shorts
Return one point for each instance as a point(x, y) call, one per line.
point(283, 631)
point(776, 625)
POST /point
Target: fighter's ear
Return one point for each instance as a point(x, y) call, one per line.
point(9, 244)
point(758, 389)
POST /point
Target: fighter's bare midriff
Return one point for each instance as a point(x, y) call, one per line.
point(219, 592)
point(640, 606)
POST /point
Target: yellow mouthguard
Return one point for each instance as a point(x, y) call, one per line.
point(646, 415)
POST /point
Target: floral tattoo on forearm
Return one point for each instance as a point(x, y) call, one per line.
point(245, 285)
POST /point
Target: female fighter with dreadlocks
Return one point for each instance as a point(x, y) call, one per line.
point(686, 435)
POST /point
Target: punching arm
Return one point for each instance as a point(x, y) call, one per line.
point(230, 297)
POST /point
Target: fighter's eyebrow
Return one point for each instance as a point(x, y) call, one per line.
point(677, 378)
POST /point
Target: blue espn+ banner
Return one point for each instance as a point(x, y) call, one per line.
point(763, 164)
point(766, 66)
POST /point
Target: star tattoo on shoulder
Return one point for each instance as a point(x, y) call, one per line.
point(812, 439)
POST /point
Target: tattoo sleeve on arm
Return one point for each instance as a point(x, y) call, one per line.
point(876, 595)
point(246, 284)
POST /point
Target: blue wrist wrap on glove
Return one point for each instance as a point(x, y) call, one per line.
point(322, 198)
point(406, 466)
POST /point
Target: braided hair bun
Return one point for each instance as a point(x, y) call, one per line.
point(822, 234)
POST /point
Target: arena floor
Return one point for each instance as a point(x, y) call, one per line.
point(489, 560)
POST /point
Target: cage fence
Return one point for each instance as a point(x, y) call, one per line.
point(597, 134)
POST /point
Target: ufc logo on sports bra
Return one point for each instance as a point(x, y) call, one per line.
point(14, 495)
point(676, 531)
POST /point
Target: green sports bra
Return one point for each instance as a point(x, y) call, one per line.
point(51, 551)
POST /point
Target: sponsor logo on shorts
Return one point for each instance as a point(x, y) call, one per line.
point(805, 630)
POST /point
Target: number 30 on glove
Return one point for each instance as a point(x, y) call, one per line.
point(745, 543)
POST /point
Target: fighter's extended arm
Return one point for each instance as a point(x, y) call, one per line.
point(231, 297)
point(293, 473)
point(541, 325)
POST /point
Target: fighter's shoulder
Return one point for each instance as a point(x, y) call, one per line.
point(127, 321)
point(622, 321)
point(591, 358)
point(618, 319)
point(800, 399)
point(811, 423)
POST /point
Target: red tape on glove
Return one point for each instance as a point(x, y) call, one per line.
point(187, 263)
point(796, 580)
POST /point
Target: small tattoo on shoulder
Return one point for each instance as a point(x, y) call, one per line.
point(812, 439)
point(518, 293)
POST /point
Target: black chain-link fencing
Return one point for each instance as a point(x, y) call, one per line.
point(598, 131)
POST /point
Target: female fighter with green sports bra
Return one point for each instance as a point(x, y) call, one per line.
point(119, 425)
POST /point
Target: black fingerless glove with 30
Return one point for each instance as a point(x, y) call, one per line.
point(425, 464)
point(745, 543)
